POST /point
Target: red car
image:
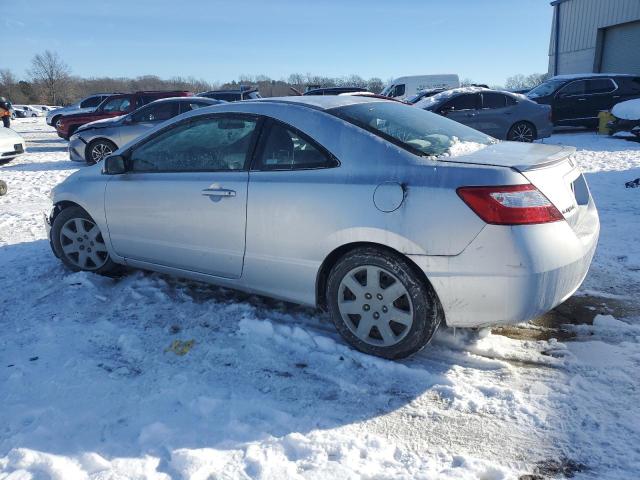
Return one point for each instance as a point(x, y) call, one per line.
point(115, 105)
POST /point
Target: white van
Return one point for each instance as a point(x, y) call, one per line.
point(404, 87)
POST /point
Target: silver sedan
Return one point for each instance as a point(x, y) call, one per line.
point(394, 219)
point(96, 140)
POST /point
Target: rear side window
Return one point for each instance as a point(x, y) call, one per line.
point(491, 100)
point(284, 148)
point(91, 102)
point(462, 102)
point(118, 104)
point(600, 85)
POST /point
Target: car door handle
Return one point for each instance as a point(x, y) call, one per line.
point(582, 99)
point(218, 192)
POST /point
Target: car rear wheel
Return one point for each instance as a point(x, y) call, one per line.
point(3, 188)
point(55, 121)
point(522, 132)
point(98, 150)
point(78, 242)
point(380, 305)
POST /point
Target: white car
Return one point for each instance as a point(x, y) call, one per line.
point(30, 110)
point(402, 88)
point(11, 145)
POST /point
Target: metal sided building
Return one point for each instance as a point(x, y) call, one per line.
point(595, 36)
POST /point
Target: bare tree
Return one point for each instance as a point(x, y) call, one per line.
point(50, 72)
point(522, 82)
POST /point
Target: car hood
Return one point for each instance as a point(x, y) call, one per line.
point(7, 133)
point(104, 123)
point(517, 155)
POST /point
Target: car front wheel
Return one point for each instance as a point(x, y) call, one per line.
point(380, 305)
point(78, 242)
point(98, 150)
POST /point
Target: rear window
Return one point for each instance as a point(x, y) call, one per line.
point(414, 129)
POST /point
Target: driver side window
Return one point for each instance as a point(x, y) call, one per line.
point(209, 144)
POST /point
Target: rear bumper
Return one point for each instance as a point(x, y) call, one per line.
point(513, 274)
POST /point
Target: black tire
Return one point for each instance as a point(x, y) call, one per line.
point(522, 132)
point(425, 306)
point(3, 188)
point(96, 144)
point(71, 214)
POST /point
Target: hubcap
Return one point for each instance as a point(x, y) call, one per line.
point(100, 151)
point(82, 244)
point(375, 305)
point(522, 133)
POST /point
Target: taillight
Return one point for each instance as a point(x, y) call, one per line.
point(510, 204)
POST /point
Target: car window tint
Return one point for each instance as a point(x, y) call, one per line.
point(600, 85)
point(286, 149)
point(578, 87)
point(493, 100)
point(91, 102)
point(633, 86)
point(120, 104)
point(218, 143)
point(462, 102)
point(398, 90)
point(157, 113)
point(510, 100)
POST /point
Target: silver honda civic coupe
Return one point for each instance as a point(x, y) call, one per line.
point(392, 218)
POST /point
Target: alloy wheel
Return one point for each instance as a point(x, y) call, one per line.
point(522, 133)
point(83, 245)
point(100, 151)
point(375, 305)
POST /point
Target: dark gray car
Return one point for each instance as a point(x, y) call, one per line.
point(96, 140)
point(502, 115)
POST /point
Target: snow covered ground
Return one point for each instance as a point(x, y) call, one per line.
point(93, 386)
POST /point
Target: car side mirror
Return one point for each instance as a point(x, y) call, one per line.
point(114, 165)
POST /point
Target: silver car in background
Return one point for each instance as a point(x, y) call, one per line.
point(503, 115)
point(392, 218)
point(96, 140)
point(85, 105)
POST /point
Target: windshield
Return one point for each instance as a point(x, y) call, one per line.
point(421, 132)
point(546, 88)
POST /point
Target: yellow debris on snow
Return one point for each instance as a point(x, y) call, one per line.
point(180, 347)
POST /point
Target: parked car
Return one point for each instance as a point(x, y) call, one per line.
point(113, 106)
point(577, 99)
point(437, 222)
point(88, 104)
point(30, 111)
point(243, 93)
point(404, 87)
point(96, 140)
point(333, 90)
point(626, 117)
point(11, 145)
point(18, 112)
point(502, 115)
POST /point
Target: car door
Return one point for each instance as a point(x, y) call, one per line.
point(182, 202)
point(495, 114)
point(600, 93)
point(145, 119)
point(292, 177)
point(571, 102)
point(463, 109)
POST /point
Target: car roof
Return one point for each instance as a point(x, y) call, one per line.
point(321, 102)
point(213, 101)
point(577, 76)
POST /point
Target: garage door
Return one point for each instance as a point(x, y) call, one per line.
point(621, 49)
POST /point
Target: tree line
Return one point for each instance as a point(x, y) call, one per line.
point(50, 81)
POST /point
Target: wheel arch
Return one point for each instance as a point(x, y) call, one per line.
point(332, 258)
point(62, 205)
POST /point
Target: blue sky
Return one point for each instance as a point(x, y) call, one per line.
point(486, 40)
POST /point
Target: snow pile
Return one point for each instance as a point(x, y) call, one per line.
point(90, 388)
point(629, 110)
point(427, 102)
